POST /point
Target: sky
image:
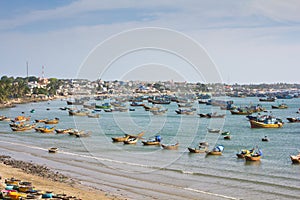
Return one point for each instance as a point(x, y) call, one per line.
point(248, 41)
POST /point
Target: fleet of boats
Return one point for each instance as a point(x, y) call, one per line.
point(265, 120)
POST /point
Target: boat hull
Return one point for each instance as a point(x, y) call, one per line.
point(195, 150)
point(120, 139)
point(256, 124)
point(214, 153)
point(295, 159)
point(151, 142)
point(170, 147)
point(252, 158)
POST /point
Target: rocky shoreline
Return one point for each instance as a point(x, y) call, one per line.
point(13, 102)
point(35, 169)
point(61, 186)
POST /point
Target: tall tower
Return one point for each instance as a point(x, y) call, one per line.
point(43, 72)
point(27, 69)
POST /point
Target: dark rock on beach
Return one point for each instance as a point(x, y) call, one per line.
point(35, 169)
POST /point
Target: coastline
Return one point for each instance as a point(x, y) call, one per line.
point(66, 186)
point(120, 184)
point(14, 102)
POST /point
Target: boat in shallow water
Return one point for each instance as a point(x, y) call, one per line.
point(52, 121)
point(155, 141)
point(280, 106)
point(131, 141)
point(293, 119)
point(217, 151)
point(53, 150)
point(295, 159)
point(254, 156)
point(244, 152)
point(197, 150)
point(266, 124)
point(170, 147)
point(126, 137)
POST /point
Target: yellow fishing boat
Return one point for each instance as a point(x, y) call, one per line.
point(257, 124)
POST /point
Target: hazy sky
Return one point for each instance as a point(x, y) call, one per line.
point(249, 41)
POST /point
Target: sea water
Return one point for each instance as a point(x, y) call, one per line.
point(149, 172)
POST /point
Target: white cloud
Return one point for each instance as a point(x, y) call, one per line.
point(281, 11)
point(239, 36)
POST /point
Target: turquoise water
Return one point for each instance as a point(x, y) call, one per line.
point(149, 172)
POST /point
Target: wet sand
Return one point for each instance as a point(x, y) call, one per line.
point(69, 188)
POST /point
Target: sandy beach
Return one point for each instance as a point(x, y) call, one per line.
point(44, 184)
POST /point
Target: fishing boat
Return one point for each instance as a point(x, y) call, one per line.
point(41, 120)
point(211, 115)
point(203, 115)
point(23, 127)
point(52, 149)
point(82, 112)
point(75, 102)
point(184, 111)
point(159, 101)
point(213, 130)
point(227, 137)
point(293, 119)
point(150, 142)
point(159, 112)
point(94, 115)
point(268, 123)
point(151, 108)
point(217, 151)
point(63, 131)
point(295, 159)
point(137, 136)
point(134, 103)
point(126, 137)
point(268, 99)
point(171, 146)
point(185, 105)
point(4, 118)
point(155, 141)
point(215, 115)
point(241, 112)
point(202, 101)
point(203, 144)
point(197, 150)
point(131, 141)
point(21, 119)
point(120, 109)
point(73, 131)
point(83, 134)
point(52, 121)
point(225, 133)
point(89, 106)
point(16, 124)
point(280, 106)
point(265, 139)
point(103, 106)
point(120, 139)
point(47, 129)
point(244, 152)
point(38, 129)
point(254, 156)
